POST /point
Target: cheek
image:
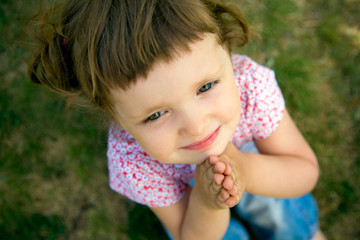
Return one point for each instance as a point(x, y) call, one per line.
point(158, 144)
point(229, 105)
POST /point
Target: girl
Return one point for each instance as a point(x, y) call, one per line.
point(183, 107)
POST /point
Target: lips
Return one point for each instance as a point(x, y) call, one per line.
point(204, 143)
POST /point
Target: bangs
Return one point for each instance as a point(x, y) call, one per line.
point(148, 32)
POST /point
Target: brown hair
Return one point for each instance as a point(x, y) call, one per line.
point(101, 44)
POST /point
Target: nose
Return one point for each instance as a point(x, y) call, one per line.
point(193, 122)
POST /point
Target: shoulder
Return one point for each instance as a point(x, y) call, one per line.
point(121, 143)
point(262, 102)
point(246, 68)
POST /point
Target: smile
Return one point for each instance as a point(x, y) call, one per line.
point(205, 143)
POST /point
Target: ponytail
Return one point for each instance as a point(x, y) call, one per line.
point(51, 63)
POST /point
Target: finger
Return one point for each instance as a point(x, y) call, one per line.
point(207, 170)
point(221, 202)
point(209, 174)
point(213, 159)
point(215, 188)
point(231, 201)
point(218, 178)
point(227, 170)
point(206, 164)
point(203, 167)
point(234, 191)
point(224, 194)
point(220, 167)
point(228, 183)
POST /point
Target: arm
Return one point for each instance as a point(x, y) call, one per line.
point(190, 219)
point(204, 211)
point(285, 167)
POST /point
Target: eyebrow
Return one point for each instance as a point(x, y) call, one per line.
point(215, 75)
point(209, 77)
point(147, 112)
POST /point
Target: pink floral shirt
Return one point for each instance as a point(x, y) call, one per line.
point(137, 176)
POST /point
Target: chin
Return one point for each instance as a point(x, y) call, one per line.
point(217, 151)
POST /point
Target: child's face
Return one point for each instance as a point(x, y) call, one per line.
point(184, 110)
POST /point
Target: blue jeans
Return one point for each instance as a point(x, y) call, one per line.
point(271, 218)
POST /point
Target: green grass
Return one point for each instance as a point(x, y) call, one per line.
point(53, 172)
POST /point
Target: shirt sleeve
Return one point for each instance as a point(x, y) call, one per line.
point(263, 104)
point(137, 176)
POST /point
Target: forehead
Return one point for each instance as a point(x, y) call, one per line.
point(167, 82)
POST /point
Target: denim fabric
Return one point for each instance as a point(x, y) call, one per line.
point(272, 218)
point(235, 231)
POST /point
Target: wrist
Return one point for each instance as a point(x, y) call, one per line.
point(244, 170)
point(202, 220)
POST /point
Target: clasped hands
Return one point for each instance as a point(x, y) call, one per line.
point(219, 181)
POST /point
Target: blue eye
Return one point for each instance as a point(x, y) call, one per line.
point(206, 87)
point(154, 116)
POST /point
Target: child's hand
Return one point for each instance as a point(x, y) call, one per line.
point(226, 177)
point(231, 156)
point(215, 181)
